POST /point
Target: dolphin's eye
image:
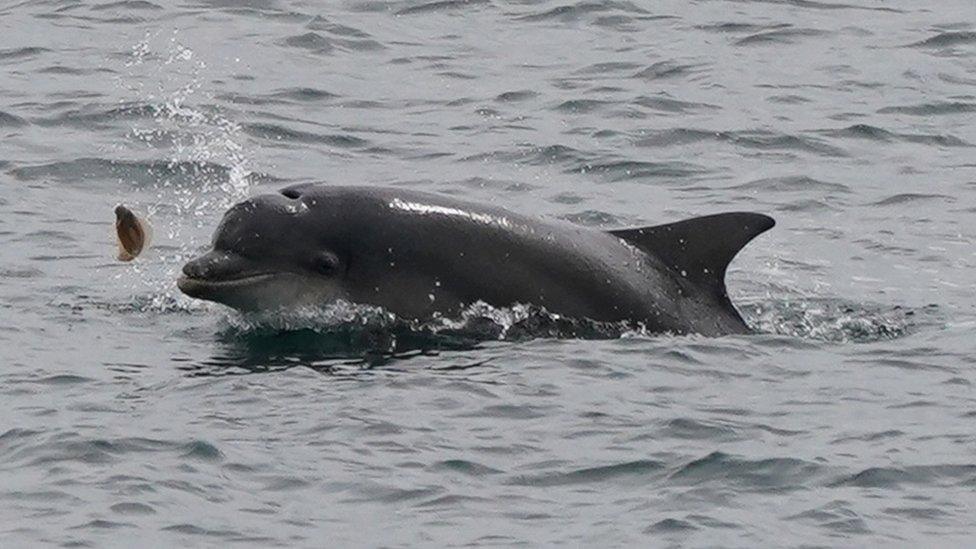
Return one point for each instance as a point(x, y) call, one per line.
point(326, 263)
point(291, 193)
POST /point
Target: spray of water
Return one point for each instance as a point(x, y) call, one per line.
point(201, 144)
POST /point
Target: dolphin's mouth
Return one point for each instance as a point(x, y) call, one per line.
point(202, 287)
point(217, 274)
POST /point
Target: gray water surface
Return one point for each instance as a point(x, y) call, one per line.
point(133, 416)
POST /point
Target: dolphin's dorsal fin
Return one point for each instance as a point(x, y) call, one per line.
point(700, 249)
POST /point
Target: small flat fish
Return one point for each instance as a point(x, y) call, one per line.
point(132, 232)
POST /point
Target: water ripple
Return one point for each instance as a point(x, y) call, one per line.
point(761, 140)
point(441, 6)
point(574, 12)
point(947, 39)
point(668, 104)
point(794, 183)
point(927, 109)
point(664, 69)
point(154, 172)
point(747, 474)
point(276, 132)
point(624, 472)
point(780, 36)
point(8, 120)
point(623, 170)
point(18, 54)
point(891, 477)
point(874, 133)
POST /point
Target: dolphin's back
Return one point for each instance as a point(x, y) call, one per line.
point(419, 254)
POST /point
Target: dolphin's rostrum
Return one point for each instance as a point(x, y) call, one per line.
point(418, 254)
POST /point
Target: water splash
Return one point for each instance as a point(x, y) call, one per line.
point(835, 320)
point(808, 318)
point(349, 330)
point(168, 77)
point(344, 330)
point(201, 143)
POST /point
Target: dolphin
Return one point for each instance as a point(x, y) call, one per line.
point(419, 255)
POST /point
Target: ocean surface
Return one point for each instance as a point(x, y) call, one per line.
point(133, 416)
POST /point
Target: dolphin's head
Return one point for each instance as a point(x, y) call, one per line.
point(271, 251)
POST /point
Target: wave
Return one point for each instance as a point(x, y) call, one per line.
point(663, 70)
point(8, 120)
point(319, 23)
point(946, 39)
point(758, 139)
point(127, 5)
point(777, 474)
point(812, 4)
point(582, 106)
point(310, 41)
point(752, 28)
point(278, 133)
point(316, 43)
point(180, 173)
point(574, 12)
point(16, 54)
point(545, 155)
point(836, 516)
point(874, 133)
point(622, 472)
point(98, 116)
point(304, 94)
point(795, 183)
point(668, 104)
point(514, 96)
point(607, 67)
point(441, 6)
point(782, 36)
point(928, 109)
point(280, 97)
point(907, 198)
point(623, 170)
point(892, 477)
point(33, 448)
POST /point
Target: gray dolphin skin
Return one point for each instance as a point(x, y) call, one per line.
point(418, 254)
